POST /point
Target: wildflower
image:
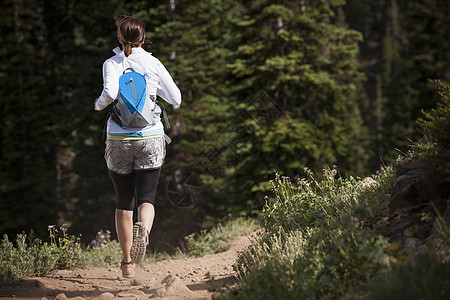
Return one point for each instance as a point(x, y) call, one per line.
point(354, 219)
point(51, 226)
point(99, 233)
point(377, 172)
point(334, 171)
point(308, 184)
point(230, 214)
point(275, 199)
point(102, 236)
point(107, 231)
point(322, 214)
point(330, 177)
point(303, 179)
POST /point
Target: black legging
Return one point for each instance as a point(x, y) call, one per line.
point(144, 183)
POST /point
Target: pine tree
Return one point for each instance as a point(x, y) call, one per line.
point(193, 40)
point(404, 46)
point(32, 97)
point(305, 65)
point(419, 37)
point(51, 73)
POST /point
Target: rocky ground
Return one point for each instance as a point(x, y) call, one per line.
point(192, 278)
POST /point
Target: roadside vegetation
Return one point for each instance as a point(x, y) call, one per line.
point(322, 238)
point(30, 256)
point(328, 238)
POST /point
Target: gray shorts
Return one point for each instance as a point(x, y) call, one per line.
point(123, 157)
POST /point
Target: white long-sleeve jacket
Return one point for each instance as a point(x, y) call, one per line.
point(159, 82)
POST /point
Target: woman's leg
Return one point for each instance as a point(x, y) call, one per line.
point(146, 185)
point(146, 215)
point(124, 229)
point(124, 187)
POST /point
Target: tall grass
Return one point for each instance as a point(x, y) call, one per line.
point(323, 238)
point(29, 256)
point(329, 239)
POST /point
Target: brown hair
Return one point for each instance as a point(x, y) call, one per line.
point(130, 32)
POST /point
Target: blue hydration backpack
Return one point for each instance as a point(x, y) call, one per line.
point(134, 107)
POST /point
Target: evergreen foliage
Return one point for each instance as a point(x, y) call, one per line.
point(305, 67)
point(436, 124)
point(405, 44)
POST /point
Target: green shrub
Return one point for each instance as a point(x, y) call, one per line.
point(14, 262)
point(23, 260)
point(299, 204)
point(103, 251)
point(31, 257)
point(66, 248)
point(323, 239)
point(420, 277)
point(318, 263)
point(302, 203)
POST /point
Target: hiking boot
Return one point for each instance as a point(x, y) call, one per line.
point(127, 269)
point(140, 241)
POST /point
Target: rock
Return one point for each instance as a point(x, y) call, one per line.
point(166, 279)
point(135, 282)
point(416, 185)
point(34, 283)
point(417, 188)
point(404, 191)
point(78, 298)
point(131, 293)
point(105, 296)
point(411, 244)
point(63, 273)
point(442, 222)
point(61, 296)
point(174, 287)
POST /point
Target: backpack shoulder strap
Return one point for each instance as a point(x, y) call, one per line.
point(166, 119)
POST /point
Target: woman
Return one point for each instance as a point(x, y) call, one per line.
point(134, 156)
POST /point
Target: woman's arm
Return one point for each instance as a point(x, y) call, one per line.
point(167, 88)
point(110, 86)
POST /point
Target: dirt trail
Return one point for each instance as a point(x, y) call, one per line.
point(171, 279)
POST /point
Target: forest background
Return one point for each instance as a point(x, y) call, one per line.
point(267, 86)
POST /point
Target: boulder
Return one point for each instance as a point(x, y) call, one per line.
point(174, 287)
point(417, 188)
